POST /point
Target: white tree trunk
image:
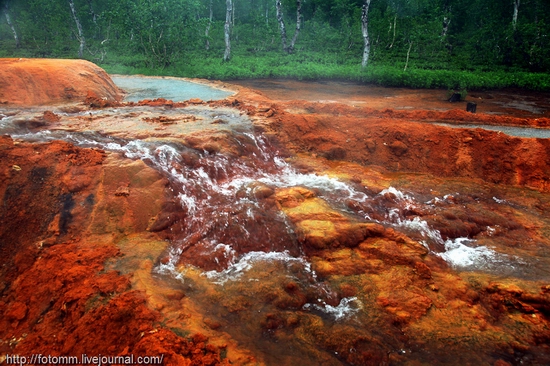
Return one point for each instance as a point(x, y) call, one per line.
point(445, 29)
point(10, 24)
point(280, 19)
point(267, 13)
point(207, 31)
point(281, 24)
point(92, 12)
point(408, 54)
point(394, 29)
point(79, 28)
point(298, 25)
point(515, 16)
point(227, 29)
point(365, 31)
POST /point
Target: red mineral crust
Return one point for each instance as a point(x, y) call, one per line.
point(388, 139)
point(58, 296)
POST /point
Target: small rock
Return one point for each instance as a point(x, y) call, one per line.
point(398, 147)
point(211, 323)
point(335, 153)
point(423, 270)
point(262, 191)
point(292, 320)
point(17, 311)
point(501, 362)
point(455, 97)
point(370, 144)
point(49, 116)
point(471, 107)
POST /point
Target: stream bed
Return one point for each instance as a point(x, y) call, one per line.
point(307, 260)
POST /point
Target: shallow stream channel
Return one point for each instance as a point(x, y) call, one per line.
point(302, 261)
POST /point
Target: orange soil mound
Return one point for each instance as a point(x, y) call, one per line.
point(47, 81)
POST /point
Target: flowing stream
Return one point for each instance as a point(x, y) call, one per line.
point(227, 227)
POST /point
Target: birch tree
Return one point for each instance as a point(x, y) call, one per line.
point(447, 16)
point(79, 28)
point(282, 28)
point(92, 12)
point(281, 21)
point(227, 29)
point(515, 15)
point(10, 24)
point(207, 31)
point(298, 25)
point(365, 31)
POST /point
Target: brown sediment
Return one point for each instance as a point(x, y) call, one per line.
point(82, 231)
point(507, 102)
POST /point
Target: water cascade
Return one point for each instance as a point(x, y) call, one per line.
point(224, 218)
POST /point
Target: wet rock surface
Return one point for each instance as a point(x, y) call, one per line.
point(248, 231)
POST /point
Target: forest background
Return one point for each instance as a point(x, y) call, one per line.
point(455, 44)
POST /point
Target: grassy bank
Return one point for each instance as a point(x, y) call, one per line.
point(420, 73)
point(313, 66)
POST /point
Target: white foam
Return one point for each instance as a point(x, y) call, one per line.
point(228, 251)
point(400, 196)
point(347, 307)
point(189, 202)
point(170, 269)
point(421, 226)
point(447, 199)
point(45, 135)
point(236, 270)
point(459, 253)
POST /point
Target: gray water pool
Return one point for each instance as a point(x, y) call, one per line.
point(177, 90)
point(528, 132)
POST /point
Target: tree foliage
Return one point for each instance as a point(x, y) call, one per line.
point(436, 34)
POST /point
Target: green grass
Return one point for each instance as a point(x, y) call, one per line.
point(315, 66)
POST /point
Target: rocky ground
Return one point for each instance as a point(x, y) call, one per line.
point(82, 229)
